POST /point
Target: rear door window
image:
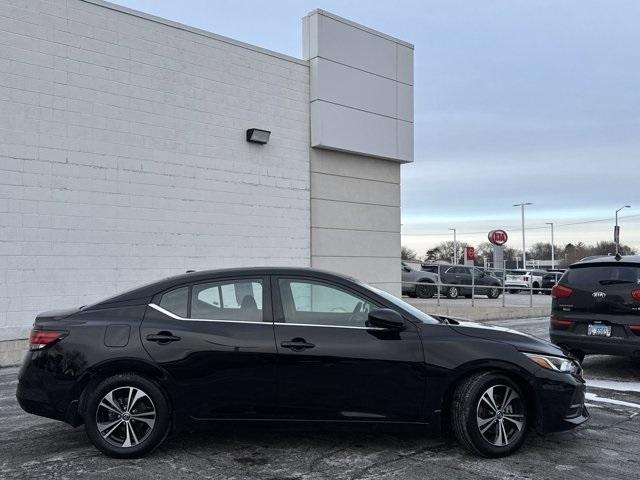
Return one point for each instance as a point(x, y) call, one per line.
point(239, 300)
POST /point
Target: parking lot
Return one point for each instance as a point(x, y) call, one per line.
point(606, 447)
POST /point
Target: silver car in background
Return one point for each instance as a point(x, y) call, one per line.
point(418, 283)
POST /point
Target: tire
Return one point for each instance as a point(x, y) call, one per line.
point(426, 290)
point(505, 427)
point(536, 288)
point(453, 292)
point(493, 293)
point(144, 423)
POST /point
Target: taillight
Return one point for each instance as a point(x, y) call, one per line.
point(525, 278)
point(560, 323)
point(636, 294)
point(635, 329)
point(39, 339)
point(560, 291)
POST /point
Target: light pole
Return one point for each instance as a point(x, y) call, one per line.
point(553, 249)
point(616, 231)
point(524, 253)
point(455, 247)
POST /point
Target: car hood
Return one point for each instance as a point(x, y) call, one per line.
point(521, 341)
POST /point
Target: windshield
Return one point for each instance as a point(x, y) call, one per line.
point(419, 314)
point(597, 276)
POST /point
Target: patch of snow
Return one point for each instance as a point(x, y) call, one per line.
point(613, 385)
point(595, 398)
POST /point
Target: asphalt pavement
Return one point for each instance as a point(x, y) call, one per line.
point(606, 447)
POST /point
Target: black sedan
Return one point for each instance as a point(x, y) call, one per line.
point(462, 280)
point(288, 344)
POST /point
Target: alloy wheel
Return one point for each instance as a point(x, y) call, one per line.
point(500, 415)
point(125, 416)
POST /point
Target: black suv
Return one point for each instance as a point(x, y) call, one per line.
point(596, 307)
point(457, 280)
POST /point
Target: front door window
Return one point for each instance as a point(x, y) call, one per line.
point(313, 303)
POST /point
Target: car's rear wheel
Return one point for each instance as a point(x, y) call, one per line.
point(127, 416)
point(425, 290)
point(493, 293)
point(489, 415)
point(453, 292)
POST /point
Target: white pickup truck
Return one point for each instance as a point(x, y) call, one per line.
point(517, 280)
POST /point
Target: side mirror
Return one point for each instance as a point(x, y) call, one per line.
point(386, 318)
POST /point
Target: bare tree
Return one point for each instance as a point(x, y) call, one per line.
point(407, 253)
point(444, 252)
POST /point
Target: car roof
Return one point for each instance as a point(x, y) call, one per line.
point(146, 292)
point(609, 259)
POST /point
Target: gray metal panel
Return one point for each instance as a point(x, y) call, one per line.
point(350, 130)
point(361, 89)
point(350, 87)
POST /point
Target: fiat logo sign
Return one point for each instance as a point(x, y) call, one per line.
point(498, 237)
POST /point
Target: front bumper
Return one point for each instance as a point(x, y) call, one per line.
point(561, 400)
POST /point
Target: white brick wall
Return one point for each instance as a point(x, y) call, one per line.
point(123, 159)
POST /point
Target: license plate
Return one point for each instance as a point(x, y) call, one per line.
point(512, 278)
point(599, 330)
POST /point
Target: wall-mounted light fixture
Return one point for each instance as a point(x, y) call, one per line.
point(255, 135)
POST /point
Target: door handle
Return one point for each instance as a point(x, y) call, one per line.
point(297, 344)
point(162, 337)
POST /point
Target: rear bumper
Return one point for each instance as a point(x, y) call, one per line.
point(42, 393)
point(596, 345)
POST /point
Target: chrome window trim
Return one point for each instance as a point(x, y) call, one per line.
point(178, 317)
point(327, 326)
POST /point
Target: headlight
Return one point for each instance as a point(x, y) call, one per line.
point(558, 364)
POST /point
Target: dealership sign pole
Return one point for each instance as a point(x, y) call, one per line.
point(498, 238)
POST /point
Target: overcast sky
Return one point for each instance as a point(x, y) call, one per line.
point(515, 100)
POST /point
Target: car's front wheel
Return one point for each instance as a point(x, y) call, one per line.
point(425, 290)
point(489, 415)
point(453, 292)
point(493, 293)
point(127, 416)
